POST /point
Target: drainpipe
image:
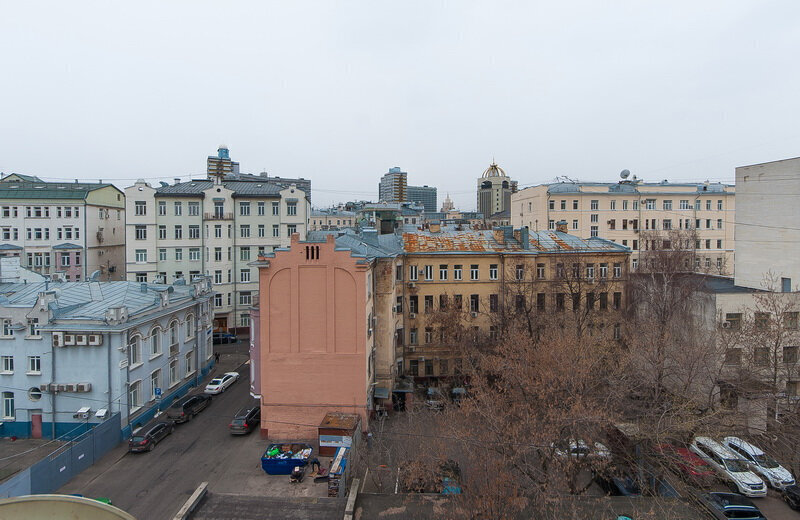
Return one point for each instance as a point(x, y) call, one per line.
point(108, 349)
point(85, 240)
point(233, 274)
point(52, 381)
point(197, 316)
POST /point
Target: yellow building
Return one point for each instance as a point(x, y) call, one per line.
point(622, 212)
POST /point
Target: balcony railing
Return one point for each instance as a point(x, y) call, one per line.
point(219, 216)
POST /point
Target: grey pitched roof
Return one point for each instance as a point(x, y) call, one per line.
point(67, 245)
point(49, 190)
point(241, 188)
point(9, 247)
point(90, 300)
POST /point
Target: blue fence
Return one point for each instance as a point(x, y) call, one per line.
point(49, 474)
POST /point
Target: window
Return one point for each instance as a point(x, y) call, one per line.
point(603, 270)
point(667, 205)
point(141, 232)
point(244, 231)
point(65, 259)
point(155, 342)
point(178, 232)
point(141, 256)
point(155, 382)
point(217, 300)
point(733, 356)
point(244, 320)
point(474, 302)
point(194, 232)
point(135, 351)
point(428, 304)
point(540, 301)
point(734, 320)
point(617, 270)
point(593, 231)
point(761, 356)
point(218, 254)
point(276, 208)
point(244, 275)
point(173, 337)
point(719, 244)
point(559, 270)
point(33, 328)
point(291, 229)
point(428, 272)
point(162, 232)
point(189, 362)
point(790, 320)
point(261, 209)
point(194, 209)
point(457, 272)
point(245, 298)
point(413, 367)
point(173, 372)
point(178, 254)
point(708, 205)
point(613, 205)
point(189, 326)
point(551, 224)
point(590, 271)
point(178, 209)
point(473, 272)
point(162, 254)
point(275, 230)
point(141, 277)
point(457, 302)
point(684, 204)
point(617, 300)
point(790, 355)
point(649, 204)
point(244, 254)
point(594, 217)
point(493, 272)
point(194, 254)
point(428, 335)
point(8, 364)
point(719, 223)
point(443, 272)
point(761, 320)
point(244, 209)
point(667, 224)
point(412, 273)
point(494, 303)
point(575, 204)
point(519, 272)
point(519, 302)
point(140, 208)
point(551, 204)
point(594, 205)
point(8, 405)
point(560, 301)
point(540, 271)
point(412, 336)
point(574, 224)
point(34, 365)
point(291, 208)
point(262, 231)
point(563, 204)
point(708, 223)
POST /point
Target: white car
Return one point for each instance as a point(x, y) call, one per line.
point(219, 384)
point(729, 466)
point(580, 448)
point(775, 475)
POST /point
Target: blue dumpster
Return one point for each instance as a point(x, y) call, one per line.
point(282, 458)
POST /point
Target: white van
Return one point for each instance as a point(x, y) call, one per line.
point(776, 475)
point(729, 466)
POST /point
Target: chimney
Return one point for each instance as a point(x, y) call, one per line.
point(370, 236)
point(561, 226)
point(177, 180)
point(143, 287)
point(521, 235)
point(499, 236)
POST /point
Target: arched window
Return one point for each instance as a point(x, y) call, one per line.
point(155, 341)
point(189, 324)
point(173, 337)
point(135, 350)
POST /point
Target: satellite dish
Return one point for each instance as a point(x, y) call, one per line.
point(625, 174)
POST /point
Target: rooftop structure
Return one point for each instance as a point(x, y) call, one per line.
point(494, 190)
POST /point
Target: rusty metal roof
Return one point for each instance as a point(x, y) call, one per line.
point(484, 241)
point(340, 421)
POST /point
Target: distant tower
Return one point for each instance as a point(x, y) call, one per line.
point(494, 191)
point(217, 167)
point(392, 187)
point(447, 205)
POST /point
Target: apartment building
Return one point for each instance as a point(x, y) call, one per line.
point(392, 186)
point(331, 219)
point(622, 212)
point(424, 196)
point(63, 229)
point(475, 271)
point(767, 235)
point(72, 354)
point(494, 190)
point(214, 227)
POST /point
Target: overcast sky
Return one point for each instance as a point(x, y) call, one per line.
point(339, 92)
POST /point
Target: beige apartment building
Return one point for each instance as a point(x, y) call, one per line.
point(625, 211)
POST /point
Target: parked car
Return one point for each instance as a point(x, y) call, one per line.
point(687, 465)
point(730, 505)
point(149, 436)
point(221, 383)
point(245, 420)
point(578, 448)
point(184, 409)
point(224, 337)
point(729, 466)
point(791, 495)
point(630, 482)
point(773, 473)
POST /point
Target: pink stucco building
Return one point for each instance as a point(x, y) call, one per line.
point(314, 338)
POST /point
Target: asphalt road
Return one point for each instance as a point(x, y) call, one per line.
point(154, 485)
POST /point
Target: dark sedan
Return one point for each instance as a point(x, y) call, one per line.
point(245, 420)
point(184, 409)
point(148, 437)
point(730, 505)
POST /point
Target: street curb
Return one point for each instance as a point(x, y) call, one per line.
point(192, 502)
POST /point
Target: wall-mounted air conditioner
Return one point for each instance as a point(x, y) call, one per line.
point(80, 339)
point(95, 339)
point(412, 315)
point(474, 314)
point(58, 339)
point(69, 339)
point(84, 387)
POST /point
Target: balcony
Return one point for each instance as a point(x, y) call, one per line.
point(218, 216)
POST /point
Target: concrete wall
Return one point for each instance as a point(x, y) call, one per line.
point(313, 338)
point(767, 213)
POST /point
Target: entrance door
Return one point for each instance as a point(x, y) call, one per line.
point(36, 424)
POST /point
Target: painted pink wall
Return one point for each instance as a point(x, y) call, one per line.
point(312, 339)
point(255, 351)
point(71, 269)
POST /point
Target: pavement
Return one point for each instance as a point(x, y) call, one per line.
point(18, 454)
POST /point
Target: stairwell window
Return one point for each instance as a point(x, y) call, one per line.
point(33, 328)
point(140, 208)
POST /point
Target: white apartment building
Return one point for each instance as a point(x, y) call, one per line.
point(63, 229)
point(214, 227)
point(767, 230)
point(622, 211)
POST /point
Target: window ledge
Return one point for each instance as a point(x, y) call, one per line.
point(193, 372)
point(153, 356)
point(9, 419)
point(173, 384)
point(135, 409)
point(7, 373)
point(37, 373)
point(134, 366)
point(6, 337)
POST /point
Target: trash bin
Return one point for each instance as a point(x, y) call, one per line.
point(282, 458)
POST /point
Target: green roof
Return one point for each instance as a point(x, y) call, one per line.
point(48, 190)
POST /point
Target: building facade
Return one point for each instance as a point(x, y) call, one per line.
point(767, 236)
point(422, 195)
point(392, 186)
point(74, 353)
point(494, 190)
point(331, 219)
point(625, 211)
point(62, 229)
point(215, 228)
